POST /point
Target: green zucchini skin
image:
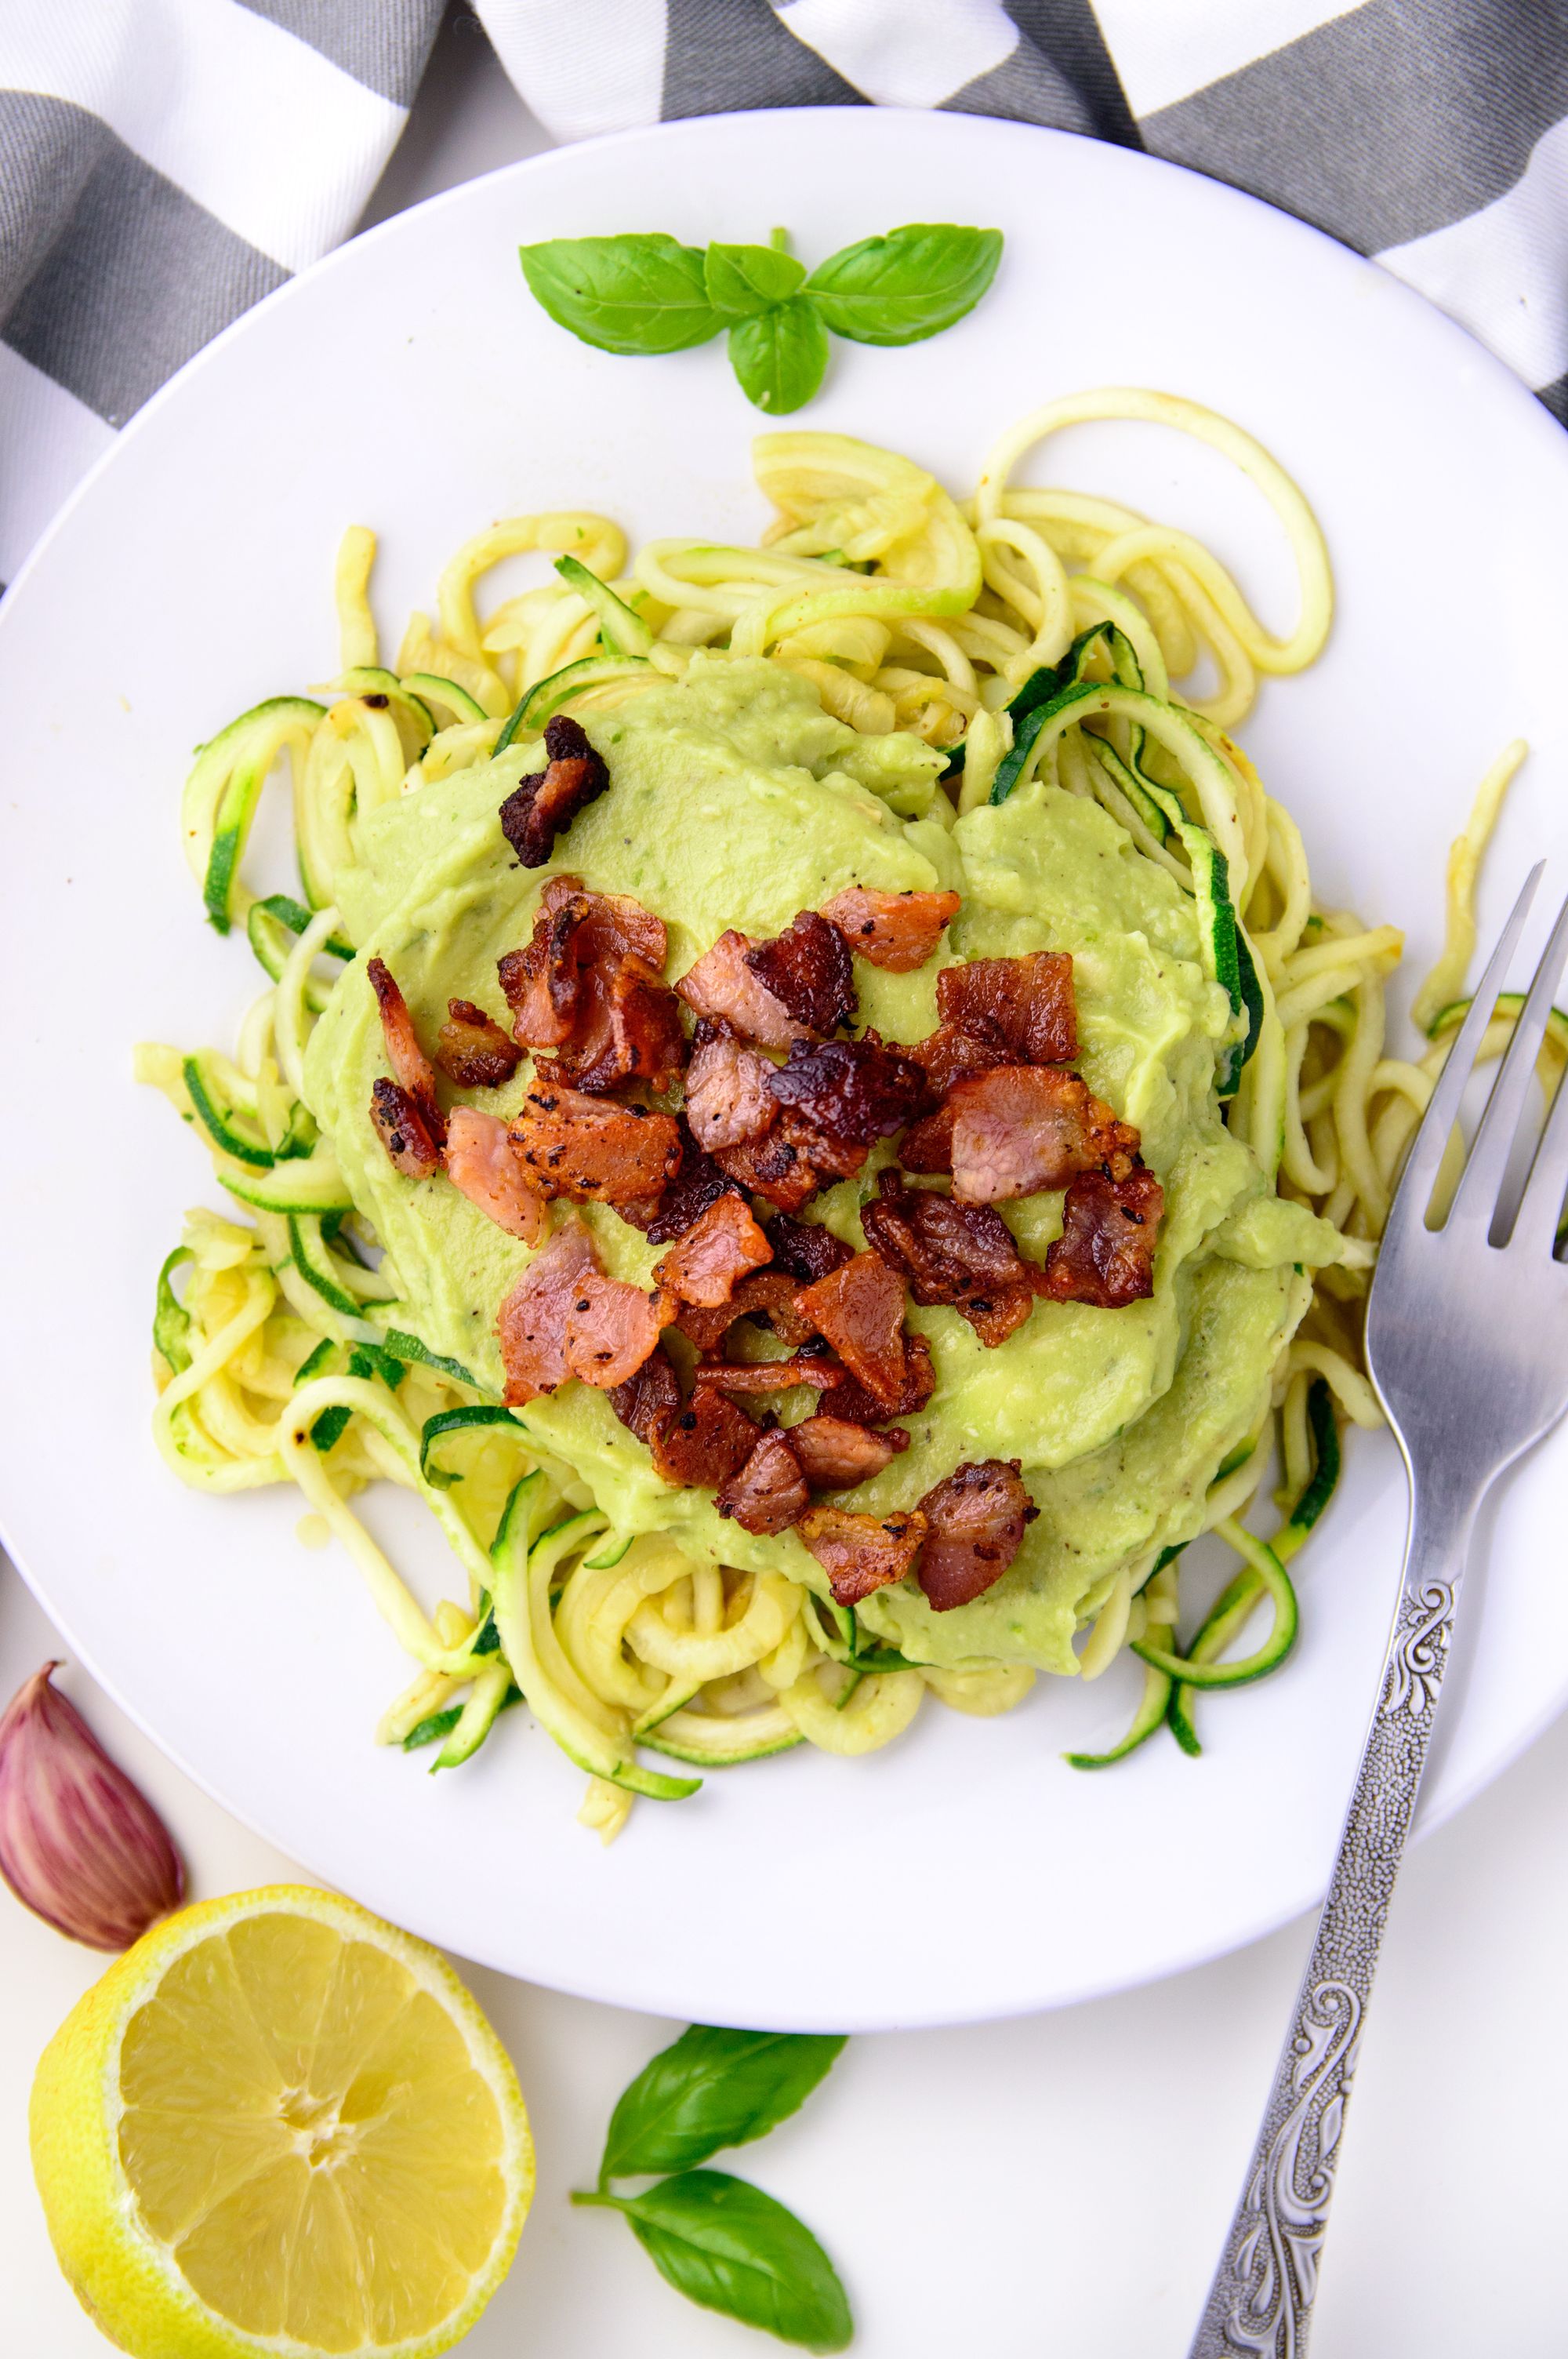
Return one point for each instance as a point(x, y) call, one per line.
point(547, 696)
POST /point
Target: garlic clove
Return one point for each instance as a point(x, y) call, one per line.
point(80, 1845)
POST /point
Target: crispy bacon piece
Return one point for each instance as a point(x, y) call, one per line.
point(716, 1251)
point(859, 1311)
point(723, 987)
point(541, 982)
point(977, 1519)
point(950, 1054)
point(612, 1328)
point(773, 1165)
point(647, 1397)
point(532, 1322)
point(896, 931)
point(594, 1152)
point(859, 1553)
point(700, 1445)
point(767, 1294)
point(699, 1182)
point(472, 1050)
point(1105, 1255)
point(589, 985)
point(1028, 1002)
point(958, 1254)
point(856, 1406)
point(483, 1163)
point(805, 1249)
point(768, 1375)
point(727, 1094)
point(403, 1130)
point(411, 1069)
point(834, 1455)
point(1027, 1127)
point(548, 801)
point(838, 1096)
point(769, 1494)
point(810, 970)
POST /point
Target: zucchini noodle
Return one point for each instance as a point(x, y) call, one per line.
point(1027, 631)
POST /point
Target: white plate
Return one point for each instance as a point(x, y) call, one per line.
point(410, 383)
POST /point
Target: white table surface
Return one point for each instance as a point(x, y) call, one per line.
point(1056, 2186)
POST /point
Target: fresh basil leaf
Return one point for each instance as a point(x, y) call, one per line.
point(779, 356)
point(741, 279)
point(724, 2244)
point(711, 2089)
point(911, 283)
point(632, 294)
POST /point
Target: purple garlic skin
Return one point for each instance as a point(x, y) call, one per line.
point(80, 1845)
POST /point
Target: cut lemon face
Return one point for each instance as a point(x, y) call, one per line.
point(279, 2124)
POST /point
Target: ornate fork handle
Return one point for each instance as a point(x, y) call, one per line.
point(1261, 2298)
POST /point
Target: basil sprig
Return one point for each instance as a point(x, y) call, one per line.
point(718, 2239)
point(648, 293)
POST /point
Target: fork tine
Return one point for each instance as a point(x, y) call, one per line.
point(1481, 1182)
point(1535, 1229)
point(1414, 1192)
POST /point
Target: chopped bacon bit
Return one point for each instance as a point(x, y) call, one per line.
point(767, 1376)
point(645, 1399)
point(768, 1294)
point(723, 987)
point(727, 1094)
point(808, 968)
point(612, 1327)
point(702, 1444)
point(927, 1144)
point(1024, 1127)
point(841, 1095)
point(472, 1050)
point(950, 1054)
point(1105, 1255)
point(896, 931)
point(958, 1254)
point(774, 1166)
point(804, 1248)
point(856, 1406)
point(834, 1455)
point(481, 1162)
point(594, 1152)
point(859, 1553)
point(769, 1494)
point(589, 985)
point(412, 1069)
point(859, 1311)
point(697, 1184)
point(403, 1130)
point(550, 799)
point(1029, 1002)
point(714, 1252)
point(977, 1519)
point(532, 1322)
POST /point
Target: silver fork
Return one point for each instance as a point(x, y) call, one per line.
point(1468, 1345)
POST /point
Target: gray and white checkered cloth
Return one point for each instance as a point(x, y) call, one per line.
point(164, 163)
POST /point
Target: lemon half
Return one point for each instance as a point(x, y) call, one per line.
point(279, 2124)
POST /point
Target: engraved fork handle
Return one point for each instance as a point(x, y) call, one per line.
point(1262, 2293)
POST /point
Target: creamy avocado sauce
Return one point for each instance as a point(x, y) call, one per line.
point(735, 801)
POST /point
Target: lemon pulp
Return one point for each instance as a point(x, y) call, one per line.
point(321, 2140)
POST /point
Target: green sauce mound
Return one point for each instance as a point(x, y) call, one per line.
point(735, 801)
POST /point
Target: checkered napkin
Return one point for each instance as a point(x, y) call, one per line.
point(164, 163)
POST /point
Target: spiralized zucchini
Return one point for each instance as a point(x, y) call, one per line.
point(1023, 629)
